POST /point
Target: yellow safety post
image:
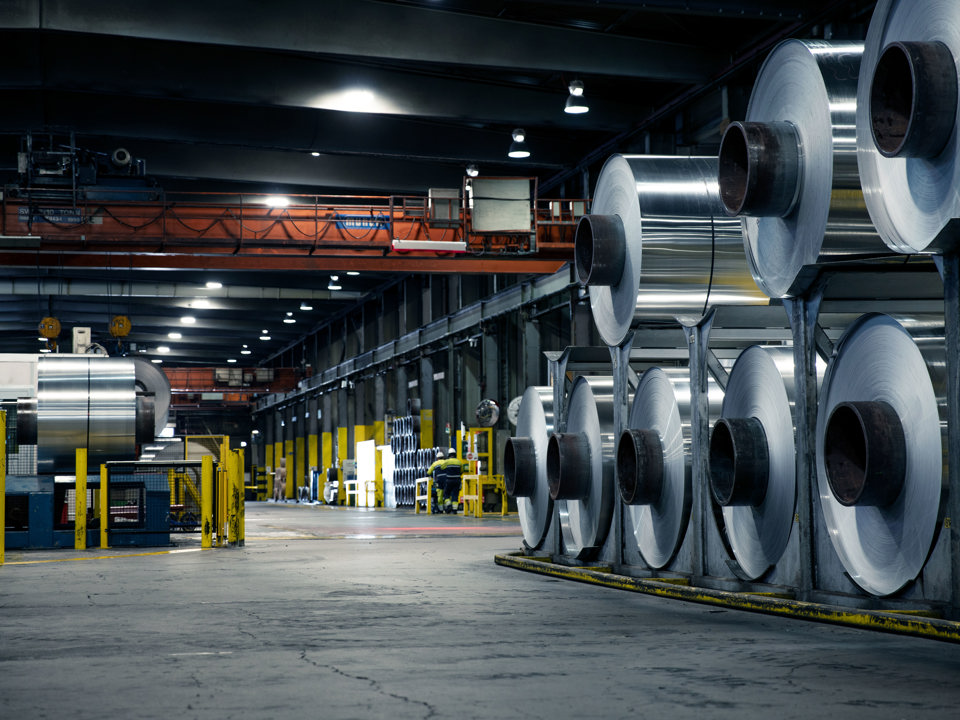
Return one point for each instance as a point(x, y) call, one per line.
point(241, 505)
point(80, 502)
point(3, 482)
point(206, 501)
point(104, 508)
point(269, 468)
point(230, 463)
point(343, 452)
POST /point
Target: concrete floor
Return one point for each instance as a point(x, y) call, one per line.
point(344, 613)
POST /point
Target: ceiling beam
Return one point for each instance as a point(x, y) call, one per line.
point(123, 290)
point(410, 263)
point(366, 28)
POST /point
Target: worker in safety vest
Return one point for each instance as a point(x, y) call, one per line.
point(437, 471)
point(452, 469)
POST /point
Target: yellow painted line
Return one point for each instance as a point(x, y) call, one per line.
point(104, 557)
point(892, 622)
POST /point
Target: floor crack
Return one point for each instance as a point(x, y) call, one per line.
point(374, 684)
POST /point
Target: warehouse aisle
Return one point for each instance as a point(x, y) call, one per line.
point(340, 613)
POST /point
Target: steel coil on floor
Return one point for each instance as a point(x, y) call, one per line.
point(790, 169)
point(753, 458)
point(525, 464)
point(658, 245)
point(580, 467)
point(907, 123)
point(882, 448)
point(654, 462)
point(85, 402)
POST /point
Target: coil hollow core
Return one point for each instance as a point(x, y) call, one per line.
point(520, 467)
point(865, 453)
point(913, 99)
point(568, 466)
point(640, 467)
point(759, 173)
point(600, 249)
point(739, 462)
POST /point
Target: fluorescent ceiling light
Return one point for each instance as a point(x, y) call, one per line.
point(352, 272)
point(265, 337)
point(44, 350)
point(188, 320)
point(156, 361)
point(214, 285)
point(277, 201)
point(246, 352)
point(163, 349)
point(200, 304)
point(305, 306)
point(289, 321)
point(174, 335)
point(334, 286)
point(231, 360)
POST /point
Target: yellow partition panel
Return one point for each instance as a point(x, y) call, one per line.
point(426, 429)
point(269, 468)
point(343, 451)
point(379, 436)
point(301, 474)
point(313, 455)
point(206, 501)
point(104, 507)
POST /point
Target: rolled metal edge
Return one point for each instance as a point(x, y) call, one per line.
point(759, 169)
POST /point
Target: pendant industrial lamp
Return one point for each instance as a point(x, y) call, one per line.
point(576, 104)
point(518, 148)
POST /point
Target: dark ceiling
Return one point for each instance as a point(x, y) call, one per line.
point(355, 97)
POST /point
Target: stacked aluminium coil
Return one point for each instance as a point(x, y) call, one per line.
point(410, 461)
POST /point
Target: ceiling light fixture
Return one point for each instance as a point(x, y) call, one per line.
point(188, 320)
point(265, 337)
point(333, 284)
point(315, 154)
point(174, 335)
point(289, 320)
point(352, 272)
point(200, 304)
point(156, 361)
point(163, 349)
point(305, 306)
point(472, 170)
point(214, 285)
point(246, 352)
point(231, 360)
point(277, 201)
point(576, 104)
point(518, 148)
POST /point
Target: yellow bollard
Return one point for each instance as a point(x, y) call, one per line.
point(241, 509)
point(3, 481)
point(104, 508)
point(80, 502)
point(206, 501)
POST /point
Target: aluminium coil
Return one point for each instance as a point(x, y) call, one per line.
point(658, 245)
point(790, 169)
point(580, 467)
point(907, 123)
point(753, 470)
point(654, 467)
point(882, 448)
point(525, 464)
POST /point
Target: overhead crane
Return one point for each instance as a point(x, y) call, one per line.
point(322, 233)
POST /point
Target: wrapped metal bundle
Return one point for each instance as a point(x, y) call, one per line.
point(882, 448)
point(790, 169)
point(654, 462)
point(907, 124)
point(580, 467)
point(753, 473)
point(525, 464)
point(659, 245)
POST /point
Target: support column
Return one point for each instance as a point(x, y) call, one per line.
point(951, 304)
point(80, 502)
point(803, 313)
point(698, 339)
